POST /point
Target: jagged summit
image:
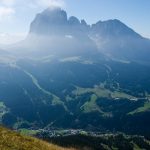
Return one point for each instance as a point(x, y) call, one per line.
point(55, 15)
point(46, 21)
point(114, 28)
point(73, 21)
point(55, 21)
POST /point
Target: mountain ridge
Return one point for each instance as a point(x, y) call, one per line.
point(67, 77)
point(58, 15)
point(112, 38)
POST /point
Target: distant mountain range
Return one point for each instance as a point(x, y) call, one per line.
point(68, 74)
point(112, 37)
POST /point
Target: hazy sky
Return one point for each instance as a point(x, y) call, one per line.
point(16, 15)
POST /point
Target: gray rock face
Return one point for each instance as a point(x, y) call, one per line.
point(113, 28)
point(73, 21)
point(55, 21)
point(118, 41)
point(48, 21)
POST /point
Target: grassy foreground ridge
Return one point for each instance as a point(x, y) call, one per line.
point(10, 140)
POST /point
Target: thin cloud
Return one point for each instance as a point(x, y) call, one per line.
point(50, 3)
point(6, 12)
point(6, 38)
point(7, 2)
point(9, 10)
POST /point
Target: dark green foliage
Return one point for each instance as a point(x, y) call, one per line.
point(42, 94)
point(103, 142)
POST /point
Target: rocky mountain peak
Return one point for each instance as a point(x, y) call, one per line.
point(113, 28)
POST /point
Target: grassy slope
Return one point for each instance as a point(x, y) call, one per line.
point(102, 92)
point(98, 92)
point(10, 140)
point(3, 110)
point(146, 107)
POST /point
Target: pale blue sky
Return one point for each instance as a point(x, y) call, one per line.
point(16, 15)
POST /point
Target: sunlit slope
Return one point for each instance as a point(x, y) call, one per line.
point(10, 140)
